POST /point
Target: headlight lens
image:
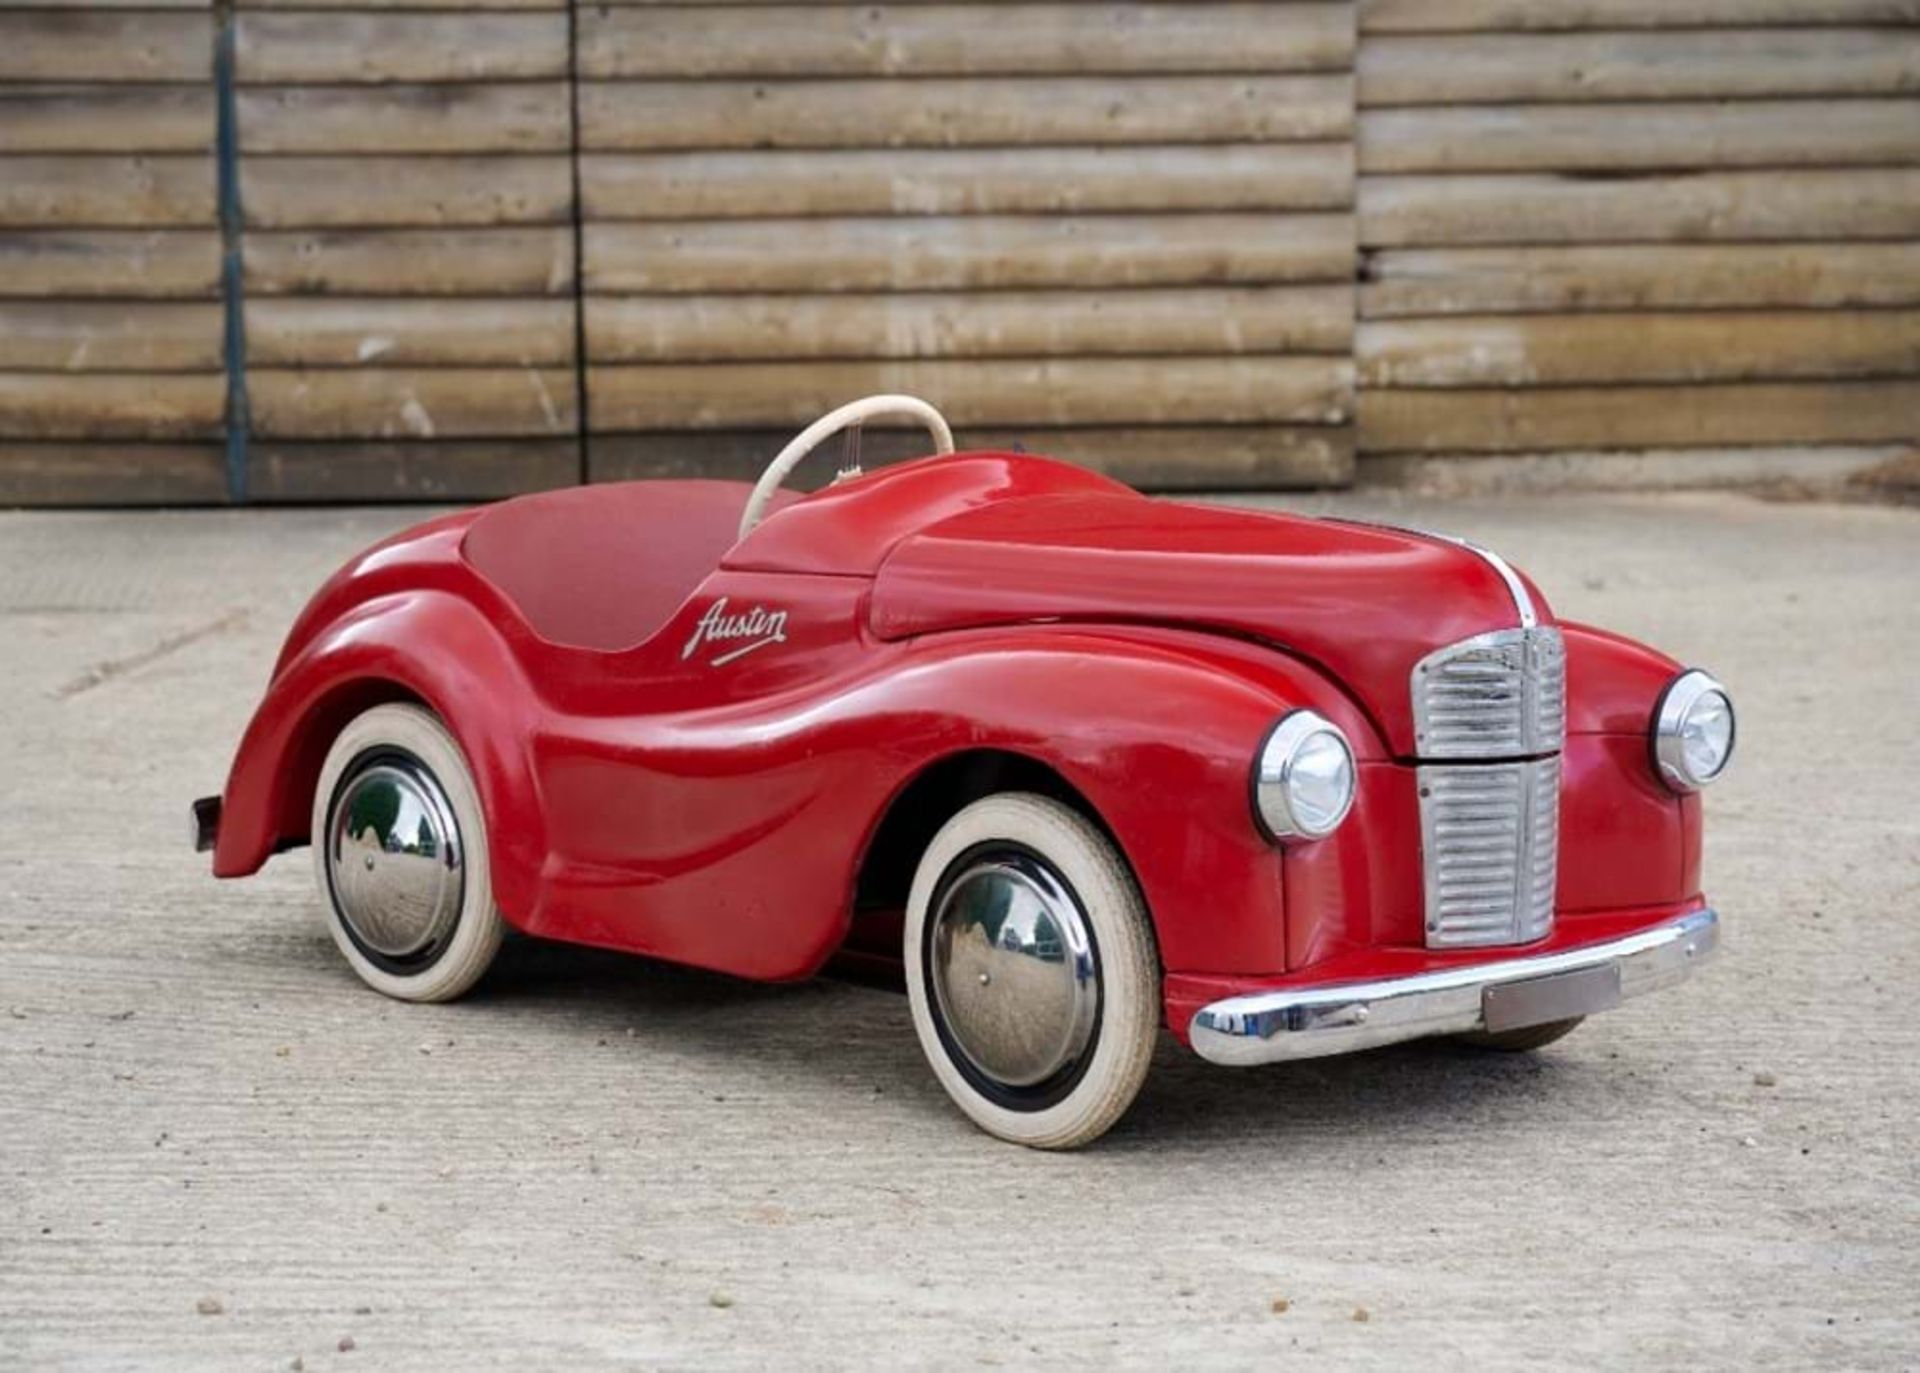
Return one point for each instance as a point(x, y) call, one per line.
point(1304, 778)
point(1693, 731)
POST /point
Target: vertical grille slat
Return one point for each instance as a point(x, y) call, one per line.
point(1490, 827)
point(1477, 893)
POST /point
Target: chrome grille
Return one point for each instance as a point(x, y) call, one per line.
point(1491, 837)
point(1498, 695)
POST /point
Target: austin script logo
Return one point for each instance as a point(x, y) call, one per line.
point(746, 631)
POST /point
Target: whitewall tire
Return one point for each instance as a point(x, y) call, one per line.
point(400, 849)
point(1031, 971)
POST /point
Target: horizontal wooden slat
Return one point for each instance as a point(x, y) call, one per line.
point(155, 263)
point(111, 405)
point(1210, 458)
point(76, 45)
point(1112, 391)
point(1440, 16)
point(1714, 206)
point(358, 48)
point(963, 40)
point(447, 402)
point(743, 454)
point(399, 4)
point(106, 119)
point(1558, 471)
point(1195, 457)
point(1162, 458)
point(446, 470)
point(1483, 69)
point(1537, 350)
point(95, 336)
point(320, 192)
point(1312, 319)
point(965, 181)
point(1454, 281)
point(1638, 416)
point(968, 253)
point(982, 111)
point(112, 472)
point(513, 117)
point(302, 331)
point(411, 262)
point(72, 191)
point(1759, 133)
point(94, 5)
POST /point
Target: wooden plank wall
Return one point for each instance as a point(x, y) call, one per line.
point(111, 370)
point(1119, 232)
point(1685, 229)
point(406, 176)
point(1671, 225)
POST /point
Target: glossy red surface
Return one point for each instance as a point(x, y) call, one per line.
point(604, 567)
point(1613, 682)
point(848, 529)
point(1362, 603)
point(710, 792)
point(1626, 839)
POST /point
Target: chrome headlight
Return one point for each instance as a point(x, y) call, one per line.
point(1692, 731)
point(1303, 779)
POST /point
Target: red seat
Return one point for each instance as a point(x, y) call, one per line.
point(604, 567)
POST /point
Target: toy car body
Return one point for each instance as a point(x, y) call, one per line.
point(1078, 762)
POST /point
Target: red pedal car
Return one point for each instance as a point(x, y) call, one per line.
point(1074, 762)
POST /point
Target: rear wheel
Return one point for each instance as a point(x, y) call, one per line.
point(400, 848)
point(1031, 971)
point(1524, 1039)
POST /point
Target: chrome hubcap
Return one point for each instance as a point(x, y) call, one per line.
point(1013, 971)
point(394, 857)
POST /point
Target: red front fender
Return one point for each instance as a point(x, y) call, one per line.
point(1158, 730)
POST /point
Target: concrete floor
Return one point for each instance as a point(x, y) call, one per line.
point(216, 1149)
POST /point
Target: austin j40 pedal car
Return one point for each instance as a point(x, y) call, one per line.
point(1074, 762)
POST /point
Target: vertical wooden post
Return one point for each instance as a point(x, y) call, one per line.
point(579, 233)
point(232, 262)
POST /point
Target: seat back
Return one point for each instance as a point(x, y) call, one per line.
point(605, 567)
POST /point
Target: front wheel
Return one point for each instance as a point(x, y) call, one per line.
point(1031, 971)
point(401, 851)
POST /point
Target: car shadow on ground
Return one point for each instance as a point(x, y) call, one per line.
point(848, 1038)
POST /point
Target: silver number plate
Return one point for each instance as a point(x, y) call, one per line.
point(1514, 1005)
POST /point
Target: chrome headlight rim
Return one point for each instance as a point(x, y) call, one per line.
point(1670, 713)
point(1270, 780)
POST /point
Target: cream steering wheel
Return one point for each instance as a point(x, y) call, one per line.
point(850, 416)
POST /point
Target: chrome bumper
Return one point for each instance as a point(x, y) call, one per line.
point(1312, 1022)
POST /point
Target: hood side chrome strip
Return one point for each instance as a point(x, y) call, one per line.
point(1517, 589)
point(1522, 602)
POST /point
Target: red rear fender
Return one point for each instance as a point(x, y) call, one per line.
point(428, 646)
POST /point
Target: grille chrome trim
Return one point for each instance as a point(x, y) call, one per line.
point(1497, 695)
point(1490, 846)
